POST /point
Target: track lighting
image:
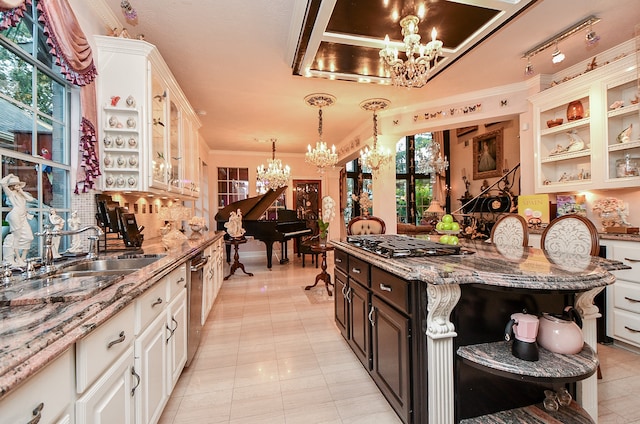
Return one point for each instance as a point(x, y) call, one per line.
point(591, 38)
point(528, 70)
point(557, 56)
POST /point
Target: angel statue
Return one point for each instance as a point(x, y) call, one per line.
point(234, 225)
point(76, 242)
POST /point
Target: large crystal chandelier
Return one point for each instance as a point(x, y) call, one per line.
point(378, 156)
point(321, 156)
point(274, 175)
point(413, 72)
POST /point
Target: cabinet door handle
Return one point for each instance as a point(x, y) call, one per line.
point(120, 339)
point(137, 376)
point(631, 329)
point(37, 414)
point(349, 295)
point(344, 291)
point(356, 270)
point(338, 260)
point(180, 280)
point(371, 316)
point(630, 299)
point(157, 302)
point(171, 330)
point(632, 260)
point(385, 287)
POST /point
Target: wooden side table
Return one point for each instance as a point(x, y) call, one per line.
point(235, 242)
point(324, 275)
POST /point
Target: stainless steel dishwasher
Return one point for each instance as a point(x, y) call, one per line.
point(194, 293)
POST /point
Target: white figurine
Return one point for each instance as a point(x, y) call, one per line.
point(76, 241)
point(58, 225)
point(234, 225)
point(18, 218)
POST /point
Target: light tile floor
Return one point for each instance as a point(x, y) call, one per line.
point(269, 355)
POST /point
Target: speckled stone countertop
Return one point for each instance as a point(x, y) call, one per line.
point(483, 263)
point(33, 333)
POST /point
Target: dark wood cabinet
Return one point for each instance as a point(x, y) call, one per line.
point(341, 303)
point(390, 355)
point(359, 299)
point(378, 328)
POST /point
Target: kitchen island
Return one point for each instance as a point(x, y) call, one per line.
point(413, 321)
point(44, 320)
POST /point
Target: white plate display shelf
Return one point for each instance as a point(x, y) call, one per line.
point(558, 169)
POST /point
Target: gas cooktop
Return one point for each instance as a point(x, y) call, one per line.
point(395, 246)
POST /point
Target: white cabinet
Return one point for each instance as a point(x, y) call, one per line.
point(46, 398)
point(570, 156)
point(213, 277)
point(111, 398)
point(151, 361)
point(176, 340)
point(623, 297)
point(153, 118)
point(622, 131)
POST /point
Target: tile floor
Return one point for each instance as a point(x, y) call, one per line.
point(269, 355)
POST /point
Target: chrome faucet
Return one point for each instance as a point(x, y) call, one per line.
point(48, 234)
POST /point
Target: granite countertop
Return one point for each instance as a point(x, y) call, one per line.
point(483, 263)
point(34, 333)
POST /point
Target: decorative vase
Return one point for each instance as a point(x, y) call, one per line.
point(575, 111)
point(323, 239)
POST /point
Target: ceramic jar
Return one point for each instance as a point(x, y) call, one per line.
point(575, 111)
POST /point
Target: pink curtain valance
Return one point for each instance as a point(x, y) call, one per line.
point(67, 40)
point(13, 11)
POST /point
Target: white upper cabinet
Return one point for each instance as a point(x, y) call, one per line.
point(146, 126)
point(594, 145)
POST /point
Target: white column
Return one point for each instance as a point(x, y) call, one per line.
point(440, 355)
point(587, 390)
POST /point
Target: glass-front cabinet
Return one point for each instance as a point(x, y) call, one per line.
point(148, 126)
point(586, 131)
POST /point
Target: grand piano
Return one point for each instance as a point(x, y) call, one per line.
point(284, 228)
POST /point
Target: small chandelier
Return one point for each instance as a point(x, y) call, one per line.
point(377, 156)
point(431, 160)
point(275, 175)
point(413, 72)
point(321, 156)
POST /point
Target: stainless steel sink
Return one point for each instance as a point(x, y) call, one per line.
point(114, 266)
point(93, 273)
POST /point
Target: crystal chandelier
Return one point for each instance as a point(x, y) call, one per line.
point(431, 160)
point(321, 156)
point(378, 156)
point(413, 72)
point(275, 175)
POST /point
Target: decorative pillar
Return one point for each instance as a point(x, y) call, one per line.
point(441, 299)
point(587, 389)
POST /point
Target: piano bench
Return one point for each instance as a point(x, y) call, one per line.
point(305, 249)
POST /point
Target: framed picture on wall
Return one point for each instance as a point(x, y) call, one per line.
point(488, 155)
